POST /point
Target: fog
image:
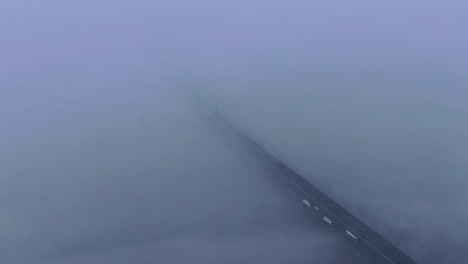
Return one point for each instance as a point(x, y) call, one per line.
point(104, 157)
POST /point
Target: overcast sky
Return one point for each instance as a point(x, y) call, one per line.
point(104, 160)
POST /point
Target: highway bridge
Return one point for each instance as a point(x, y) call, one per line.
point(365, 242)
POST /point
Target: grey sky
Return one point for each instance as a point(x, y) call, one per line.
point(102, 158)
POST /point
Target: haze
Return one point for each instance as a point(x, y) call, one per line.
point(104, 158)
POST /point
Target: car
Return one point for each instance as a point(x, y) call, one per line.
point(316, 208)
point(327, 220)
point(352, 236)
point(306, 203)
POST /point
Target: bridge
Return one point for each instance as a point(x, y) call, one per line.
point(364, 241)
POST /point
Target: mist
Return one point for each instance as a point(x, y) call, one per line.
point(104, 157)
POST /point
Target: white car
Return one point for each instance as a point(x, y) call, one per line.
point(352, 236)
point(306, 203)
point(327, 220)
